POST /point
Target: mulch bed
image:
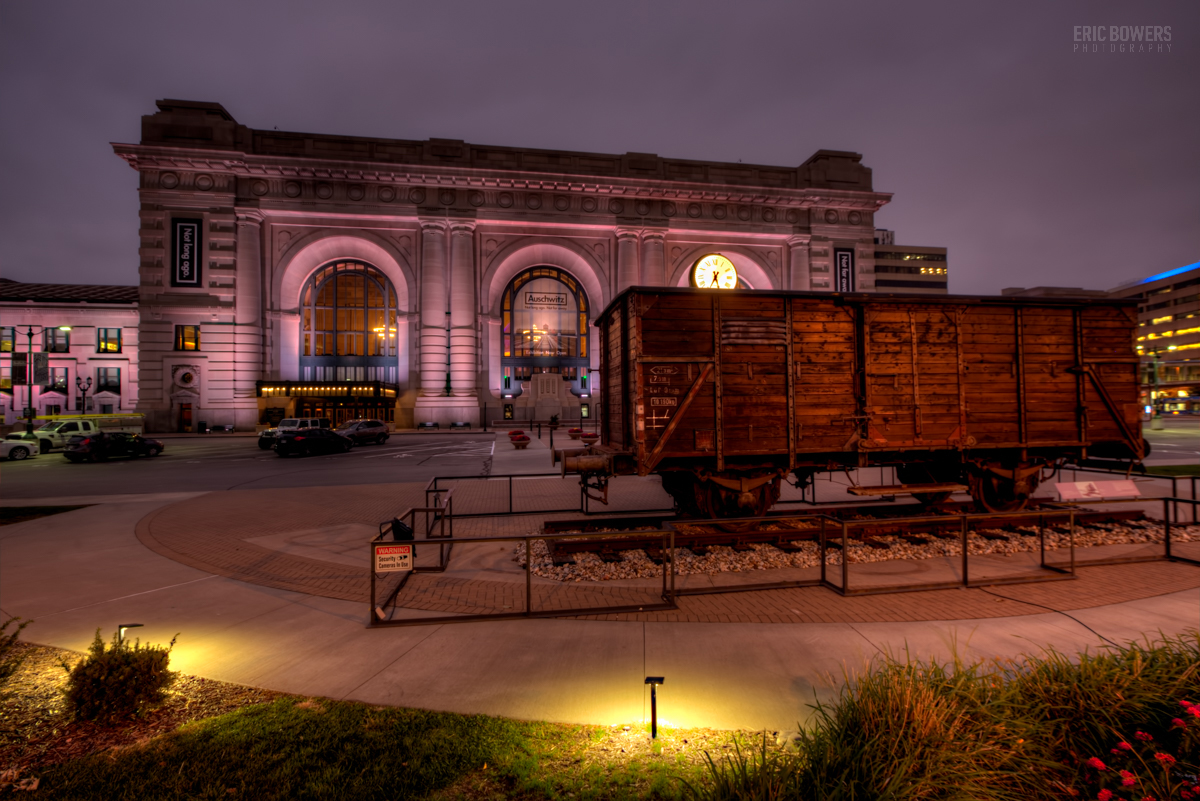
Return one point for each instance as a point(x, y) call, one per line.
point(37, 731)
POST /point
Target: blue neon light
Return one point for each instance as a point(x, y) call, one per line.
point(1170, 273)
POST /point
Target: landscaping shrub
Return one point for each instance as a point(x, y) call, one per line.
point(1118, 723)
point(118, 680)
point(10, 660)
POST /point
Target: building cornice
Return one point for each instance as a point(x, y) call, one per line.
point(155, 158)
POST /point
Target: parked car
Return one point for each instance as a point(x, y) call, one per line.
point(16, 449)
point(364, 431)
point(99, 447)
point(308, 441)
point(268, 438)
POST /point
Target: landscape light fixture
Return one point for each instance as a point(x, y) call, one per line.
point(654, 681)
point(123, 627)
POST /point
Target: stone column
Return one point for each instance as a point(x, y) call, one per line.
point(801, 275)
point(463, 314)
point(248, 329)
point(433, 308)
point(654, 263)
point(627, 258)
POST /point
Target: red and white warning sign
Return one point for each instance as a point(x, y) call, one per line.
point(1096, 490)
point(390, 558)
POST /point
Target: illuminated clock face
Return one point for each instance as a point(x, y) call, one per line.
point(714, 272)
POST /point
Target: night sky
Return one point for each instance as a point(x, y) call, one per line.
point(1034, 164)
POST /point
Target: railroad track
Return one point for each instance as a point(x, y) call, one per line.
point(784, 531)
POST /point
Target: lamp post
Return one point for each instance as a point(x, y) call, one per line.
point(654, 681)
point(29, 331)
point(83, 388)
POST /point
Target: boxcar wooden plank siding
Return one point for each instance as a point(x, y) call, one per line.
point(867, 374)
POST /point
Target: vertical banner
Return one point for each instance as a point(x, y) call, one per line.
point(19, 361)
point(186, 252)
point(843, 270)
point(41, 369)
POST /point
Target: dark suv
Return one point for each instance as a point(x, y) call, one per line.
point(307, 441)
point(364, 431)
point(101, 446)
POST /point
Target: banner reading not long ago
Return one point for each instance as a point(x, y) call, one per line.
point(186, 252)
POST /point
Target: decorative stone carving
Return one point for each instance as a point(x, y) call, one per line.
point(562, 202)
point(168, 180)
point(792, 216)
point(533, 201)
point(505, 200)
point(719, 212)
point(855, 218)
point(475, 198)
point(387, 194)
point(694, 210)
point(615, 206)
point(355, 192)
point(282, 240)
point(489, 247)
point(204, 182)
point(259, 187)
point(669, 209)
point(416, 195)
point(676, 252)
point(768, 215)
point(291, 189)
point(588, 204)
point(642, 208)
point(324, 191)
point(447, 197)
point(186, 376)
point(600, 250)
point(831, 216)
point(744, 213)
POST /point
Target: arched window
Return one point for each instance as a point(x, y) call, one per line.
point(348, 325)
point(544, 327)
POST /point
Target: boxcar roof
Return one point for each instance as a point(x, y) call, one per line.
point(863, 297)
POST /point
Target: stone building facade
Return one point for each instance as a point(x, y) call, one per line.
point(89, 333)
point(438, 281)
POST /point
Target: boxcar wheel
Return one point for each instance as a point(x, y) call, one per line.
point(993, 493)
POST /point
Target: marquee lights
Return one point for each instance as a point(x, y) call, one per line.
point(714, 271)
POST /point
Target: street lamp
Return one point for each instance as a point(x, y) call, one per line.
point(29, 331)
point(654, 681)
point(83, 387)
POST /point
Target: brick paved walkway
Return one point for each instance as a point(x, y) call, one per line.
point(213, 533)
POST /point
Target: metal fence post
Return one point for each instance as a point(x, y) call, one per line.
point(845, 559)
point(528, 578)
point(1166, 529)
point(823, 550)
point(1072, 535)
point(966, 578)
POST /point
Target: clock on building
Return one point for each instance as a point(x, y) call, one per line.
point(714, 271)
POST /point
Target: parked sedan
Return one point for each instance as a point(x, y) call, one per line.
point(101, 446)
point(308, 441)
point(18, 449)
point(364, 431)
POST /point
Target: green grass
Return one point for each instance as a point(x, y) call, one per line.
point(19, 514)
point(1173, 470)
point(321, 749)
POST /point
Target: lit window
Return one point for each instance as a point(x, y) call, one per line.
point(108, 340)
point(187, 337)
point(8, 339)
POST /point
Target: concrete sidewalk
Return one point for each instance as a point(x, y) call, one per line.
point(85, 569)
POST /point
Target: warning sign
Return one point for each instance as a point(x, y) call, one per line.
point(390, 558)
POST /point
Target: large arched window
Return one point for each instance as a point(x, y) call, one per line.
point(545, 327)
point(348, 325)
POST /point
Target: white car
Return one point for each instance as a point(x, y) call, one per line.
point(18, 449)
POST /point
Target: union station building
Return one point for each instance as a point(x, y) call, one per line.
point(292, 274)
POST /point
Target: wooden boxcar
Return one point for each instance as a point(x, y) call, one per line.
point(726, 393)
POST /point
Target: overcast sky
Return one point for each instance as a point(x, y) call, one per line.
point(1035, 164)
